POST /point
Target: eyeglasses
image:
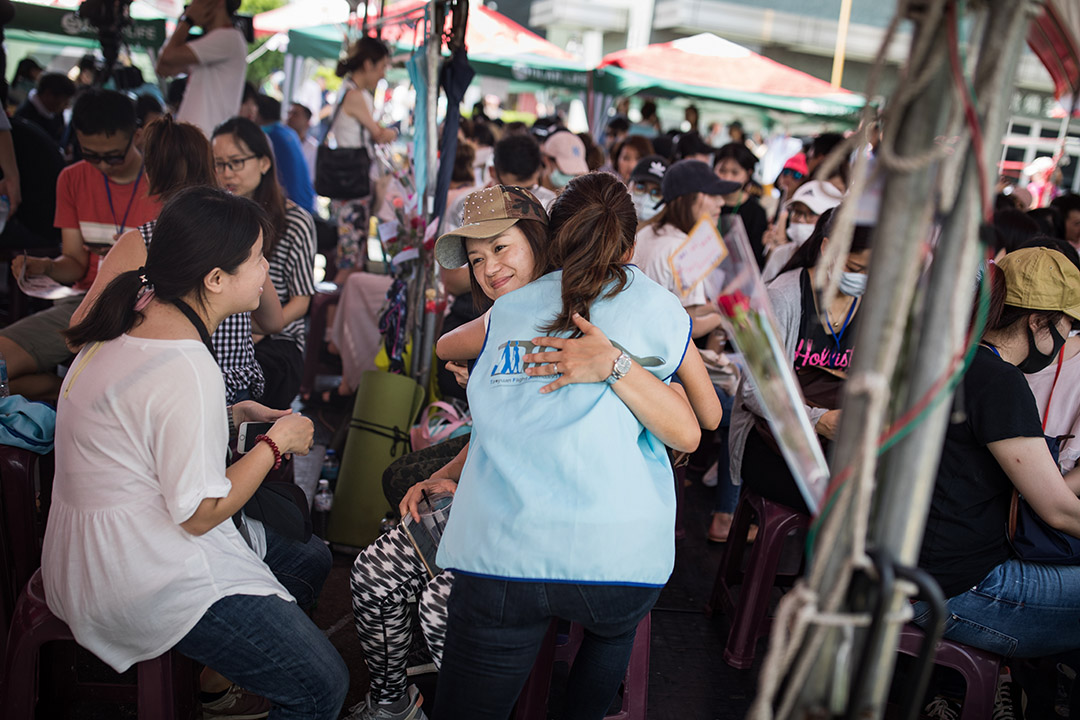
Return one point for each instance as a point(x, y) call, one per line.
point(793, 173)
point(110, 158)
point(642, 189)
point(234, 165)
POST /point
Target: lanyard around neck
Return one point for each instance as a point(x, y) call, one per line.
point(847, 321)
point(131, 201)
point(200, 327)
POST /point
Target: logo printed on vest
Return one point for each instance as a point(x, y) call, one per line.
point(509, 366)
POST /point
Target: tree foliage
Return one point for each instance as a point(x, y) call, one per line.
point(269, 62)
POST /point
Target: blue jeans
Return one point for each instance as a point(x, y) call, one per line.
point(268, 646)
point(1020, 609)
point(727, 492)
point(494, 633)
point(301, 567)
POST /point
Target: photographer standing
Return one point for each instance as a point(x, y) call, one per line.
point(214, 63)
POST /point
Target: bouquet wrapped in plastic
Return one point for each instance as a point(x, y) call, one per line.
point(723, 261)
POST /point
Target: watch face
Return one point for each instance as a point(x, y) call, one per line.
point(622, 365)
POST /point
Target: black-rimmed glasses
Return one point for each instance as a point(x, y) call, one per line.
point(234, 165)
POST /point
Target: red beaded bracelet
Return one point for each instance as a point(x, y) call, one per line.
point(273, 446)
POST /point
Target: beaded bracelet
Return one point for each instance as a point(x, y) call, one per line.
point(273, 446)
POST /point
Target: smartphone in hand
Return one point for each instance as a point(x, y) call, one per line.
point(248, 432)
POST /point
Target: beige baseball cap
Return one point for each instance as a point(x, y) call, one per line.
point(488, 213)
point(1041, 279)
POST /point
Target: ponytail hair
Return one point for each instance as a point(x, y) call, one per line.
point(592, 229)
point(199, 229)
point(366, 49)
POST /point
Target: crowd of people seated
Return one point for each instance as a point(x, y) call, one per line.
point(187, 238)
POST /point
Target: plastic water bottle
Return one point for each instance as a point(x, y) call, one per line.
point(4, 389)
point(330, 468)
point(5, 210)
point(320, 509)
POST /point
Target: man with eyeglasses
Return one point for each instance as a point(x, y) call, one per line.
point(97, 200)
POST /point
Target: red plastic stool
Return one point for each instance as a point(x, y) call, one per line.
point(748, 609)
point(532, 702)
point(166, 685)
point(979, 669)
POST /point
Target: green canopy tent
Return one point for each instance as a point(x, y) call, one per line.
point(708, 67)
point(525, 71)
point(45, 25)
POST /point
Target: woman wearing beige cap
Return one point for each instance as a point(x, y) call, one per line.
point(507, 231)
point(995, 600)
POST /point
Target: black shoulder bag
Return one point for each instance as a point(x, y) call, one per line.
point(342, 173)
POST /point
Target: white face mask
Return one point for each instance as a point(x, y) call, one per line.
point(799, 233)
point(644, 205)
point(852, 284)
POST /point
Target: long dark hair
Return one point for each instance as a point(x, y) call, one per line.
point(592, 228)
point(268, 194)
point(199, 229)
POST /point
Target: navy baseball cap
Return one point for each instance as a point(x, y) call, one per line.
point(691, 176)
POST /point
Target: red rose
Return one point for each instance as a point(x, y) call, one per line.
point(734, 302)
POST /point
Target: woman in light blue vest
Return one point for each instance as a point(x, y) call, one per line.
point(566, 505)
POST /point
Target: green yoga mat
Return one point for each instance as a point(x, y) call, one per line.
point(386, 406)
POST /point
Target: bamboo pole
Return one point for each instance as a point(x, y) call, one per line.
point(909, 470)
point(826, 659)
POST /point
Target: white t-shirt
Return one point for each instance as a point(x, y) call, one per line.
point(141, 433)
point(215, 86)
point(652, 248)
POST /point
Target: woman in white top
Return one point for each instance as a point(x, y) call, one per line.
point(355, 126)
point(141, 553)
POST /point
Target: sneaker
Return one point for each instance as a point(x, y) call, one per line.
point(236, 704)
point(1007, 704)
point(942, 708)
point(368, 711)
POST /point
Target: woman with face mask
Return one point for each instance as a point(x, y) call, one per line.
point(689, 192)
point(995, 601)
point(797, 221)
point(818, 340)
point(735, 162)
point(644, 187)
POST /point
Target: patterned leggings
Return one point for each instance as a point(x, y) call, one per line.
point(385, 577)
point(352, 218)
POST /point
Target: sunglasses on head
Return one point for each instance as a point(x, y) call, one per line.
point(111, 158)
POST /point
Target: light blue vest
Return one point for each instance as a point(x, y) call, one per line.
point(567, 486)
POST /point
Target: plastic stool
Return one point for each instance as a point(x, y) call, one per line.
point(532, 702)
point(166, 684)
point(979, 669)
point(748, 609)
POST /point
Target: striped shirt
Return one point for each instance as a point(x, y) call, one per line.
point(234, 349)
point(292, 266)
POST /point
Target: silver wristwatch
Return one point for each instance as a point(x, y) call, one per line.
point(622, 366)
